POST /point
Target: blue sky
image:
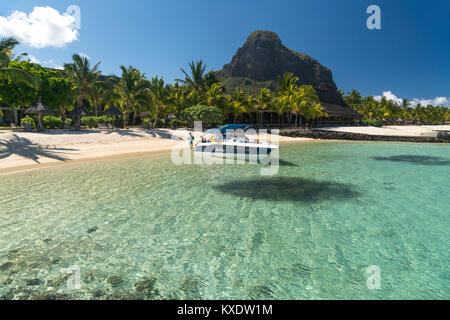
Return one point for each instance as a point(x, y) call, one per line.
point(409, 56)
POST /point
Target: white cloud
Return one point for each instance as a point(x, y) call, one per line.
point(43, 27)
point(438, 101)
point(390, 96)
point(32, 59)
point(51, 64)
point(46, 63)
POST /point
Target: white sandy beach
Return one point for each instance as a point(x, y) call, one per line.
point(411, 131)
point(29, 150)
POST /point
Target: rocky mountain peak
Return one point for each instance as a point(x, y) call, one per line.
point(263, 58)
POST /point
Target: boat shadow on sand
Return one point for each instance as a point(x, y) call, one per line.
point(288, 189)
point(416, 159)
point(285, 163)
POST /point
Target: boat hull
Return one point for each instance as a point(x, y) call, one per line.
point(238, 150)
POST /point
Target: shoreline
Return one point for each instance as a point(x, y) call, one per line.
point(21, 151)
point(46, 165)
point(362, 137)
point(25, 151)
point(117, 156)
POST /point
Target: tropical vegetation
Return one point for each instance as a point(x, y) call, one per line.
point(83, 95)
point(387, 111)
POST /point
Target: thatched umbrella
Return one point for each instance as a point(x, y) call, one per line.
point(39, 109)
point(112, 111)
point(77, 111)
point(76, 115)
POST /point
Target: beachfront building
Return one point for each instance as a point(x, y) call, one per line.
point(336, 108)
point(333, 105)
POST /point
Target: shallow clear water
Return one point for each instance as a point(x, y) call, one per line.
point(146, 228)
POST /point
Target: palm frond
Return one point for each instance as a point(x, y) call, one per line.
point(20, 75)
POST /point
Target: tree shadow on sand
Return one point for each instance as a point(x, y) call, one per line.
point(163, 134)
point(416, 159)
point(288, 189)
point(125, 133)
point(26, 149)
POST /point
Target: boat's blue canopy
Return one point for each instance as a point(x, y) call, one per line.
point(223, 129)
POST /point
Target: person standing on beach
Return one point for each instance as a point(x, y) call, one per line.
point(191, 140)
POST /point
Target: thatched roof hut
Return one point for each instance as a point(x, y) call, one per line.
point(77, 111)
point(334, 106)
point(339, 111)
point(39, 108)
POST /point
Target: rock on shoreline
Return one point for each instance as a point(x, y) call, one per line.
point(334, 135)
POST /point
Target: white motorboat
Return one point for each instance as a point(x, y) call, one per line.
point(230, 141)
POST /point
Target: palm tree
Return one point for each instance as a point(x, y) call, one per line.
point(161, 97)
point(287, 85)
point(193, 98)
point(227, 106)
point(369, 107)
point(384, 110)
point(214, 95)
point(103, 94)
point(282, 104)
point(7, 46)
point(132, 90)
point(405, 115)
point(84, 79)
point(64, 101)
point(197, 79)
point(354, 100)
point(307, 104)
point(239, 104)
point(262, 101)
point(251, 107)
point(179, 97)
point(287, 82)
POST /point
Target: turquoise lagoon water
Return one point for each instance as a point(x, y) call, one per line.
point(145, 228)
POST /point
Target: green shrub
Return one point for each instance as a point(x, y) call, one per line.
point(210, 116)
point(173, 123)
point(91, 122)
point(51, 122)
point(104, 120)
point(28, 121)
point(372, 123)
point(117, 122)
point(147, 123)
point(68, 122)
